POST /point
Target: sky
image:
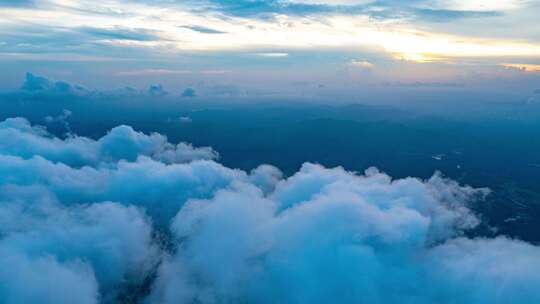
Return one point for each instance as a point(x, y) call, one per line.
point(279, 47)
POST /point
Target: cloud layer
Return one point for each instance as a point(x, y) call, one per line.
point(131, 217)
point(19, 138)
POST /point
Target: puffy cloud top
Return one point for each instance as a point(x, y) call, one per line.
point(189, 92)
point(35, 83)
point(157, 90)
point(19, 138)
point(132, 218)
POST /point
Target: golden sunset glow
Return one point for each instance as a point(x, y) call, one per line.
point(399, 40)
point(523, 66)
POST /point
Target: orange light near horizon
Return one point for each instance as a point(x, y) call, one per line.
point(522, 66)
point(399, 40)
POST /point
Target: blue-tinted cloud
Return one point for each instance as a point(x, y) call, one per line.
point(132, 226)
point(328, 235)
point(34, 83)
point(57, 254)
point(189, 92)
point(444, 15)
point(91, 42)
point(19, 138)
point(157, 90)
point(202, 29)
point(120, 33)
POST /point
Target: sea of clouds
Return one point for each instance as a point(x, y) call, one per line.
point(132, 218)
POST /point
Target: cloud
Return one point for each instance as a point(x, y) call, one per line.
point(23, 280)
point(472, 267)
point(19, 138)
point(273, 55)
point(157, 90)
point(364, 64)
point(525, 67)
point(121, 219)
point(185, 119)
point(189, 92)
point(161, 189)
point(34, 83)
point(119, 33)
point(328, 235)
point(56, 254)
point(407, 29)
point(447, 15)
point(202, 29)
point(476, 5)
point(60, 118)
point(41, 89)
point(59, 39)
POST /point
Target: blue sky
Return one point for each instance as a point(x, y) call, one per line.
point(269, 47)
